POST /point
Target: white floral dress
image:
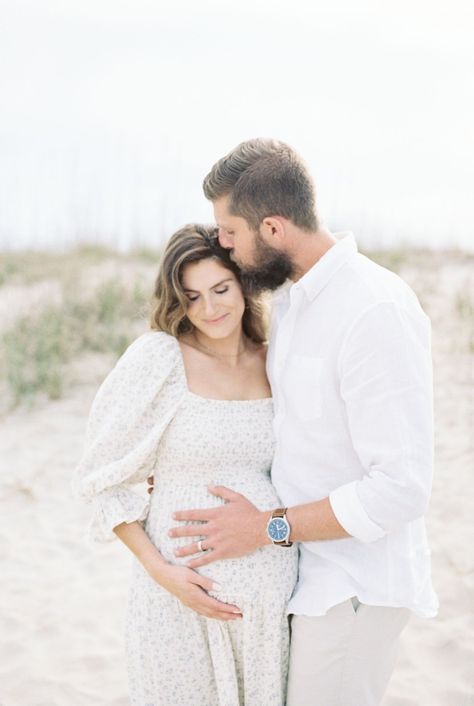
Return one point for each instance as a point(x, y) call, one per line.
point(144, 420)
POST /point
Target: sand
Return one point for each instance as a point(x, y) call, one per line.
point(62, 602)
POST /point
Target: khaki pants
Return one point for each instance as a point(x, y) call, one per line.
point(344, 658)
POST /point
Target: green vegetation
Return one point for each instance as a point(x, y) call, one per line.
point(36, 348)
point(33, 352)
point(465, 306)
point(103, 304)
point(391, 259)
point(33, 266)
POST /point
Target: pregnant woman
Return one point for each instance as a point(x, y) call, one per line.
point(189, 402)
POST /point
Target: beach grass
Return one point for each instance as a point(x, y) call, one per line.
point(37, 346)
point(32, 266)
point(36, 349)
point(103, 299)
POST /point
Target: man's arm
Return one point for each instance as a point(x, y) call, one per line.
point(239, 528)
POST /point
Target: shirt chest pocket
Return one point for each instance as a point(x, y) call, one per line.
point(304, 386)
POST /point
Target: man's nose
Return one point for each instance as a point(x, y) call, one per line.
point(225, 240)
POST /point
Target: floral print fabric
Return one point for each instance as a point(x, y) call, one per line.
point(145, 420)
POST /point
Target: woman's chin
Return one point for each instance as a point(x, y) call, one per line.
point(218, 332)
point(216, 335)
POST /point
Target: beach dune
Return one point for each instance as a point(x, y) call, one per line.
point(62, 602)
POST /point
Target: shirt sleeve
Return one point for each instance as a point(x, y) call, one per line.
point(386, 384)
point(122, 434)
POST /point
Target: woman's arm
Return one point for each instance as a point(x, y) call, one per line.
point(125, 425)
point(184, 583)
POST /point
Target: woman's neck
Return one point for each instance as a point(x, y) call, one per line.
point(228, 349)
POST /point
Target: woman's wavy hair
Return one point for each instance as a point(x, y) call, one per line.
point(192, 243)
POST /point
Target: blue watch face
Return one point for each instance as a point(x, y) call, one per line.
point(278, 529)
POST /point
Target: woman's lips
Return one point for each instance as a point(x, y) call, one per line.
point(216, 321)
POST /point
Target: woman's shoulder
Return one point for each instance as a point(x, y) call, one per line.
point(152, 351)
point(153, 341)
point(139, 374)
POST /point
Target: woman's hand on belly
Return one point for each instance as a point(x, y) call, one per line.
point(191, 589)
point(181, 581)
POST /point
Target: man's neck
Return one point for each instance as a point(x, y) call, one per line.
point(309, 248)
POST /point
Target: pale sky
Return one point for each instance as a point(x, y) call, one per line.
point(113, 112)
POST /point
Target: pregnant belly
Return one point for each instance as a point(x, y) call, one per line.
point(268, 570)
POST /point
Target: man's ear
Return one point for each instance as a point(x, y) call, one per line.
point(273, 230)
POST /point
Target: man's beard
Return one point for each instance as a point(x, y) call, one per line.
point(271, 269)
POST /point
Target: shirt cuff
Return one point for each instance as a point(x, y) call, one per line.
point(351, 514)
point(112, 507)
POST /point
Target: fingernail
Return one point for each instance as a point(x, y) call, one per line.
point(216, 587)
point(238, 612)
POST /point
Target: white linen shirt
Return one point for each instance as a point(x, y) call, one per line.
point(349, 364)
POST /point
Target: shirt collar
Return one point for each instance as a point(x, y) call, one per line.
point(314, 281)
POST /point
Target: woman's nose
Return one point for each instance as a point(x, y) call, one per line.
point(209, 308)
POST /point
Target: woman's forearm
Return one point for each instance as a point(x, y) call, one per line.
point(136, 539)
point(187, 585)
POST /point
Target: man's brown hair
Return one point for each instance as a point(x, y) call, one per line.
point(263, 178)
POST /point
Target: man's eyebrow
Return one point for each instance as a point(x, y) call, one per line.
point(228, 279)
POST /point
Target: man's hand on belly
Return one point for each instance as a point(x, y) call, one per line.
point(235, 529)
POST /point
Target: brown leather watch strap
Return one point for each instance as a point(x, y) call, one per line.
point(281, 512)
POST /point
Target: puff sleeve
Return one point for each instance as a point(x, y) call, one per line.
point(131, 410)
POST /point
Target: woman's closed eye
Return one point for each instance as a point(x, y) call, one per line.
point(195, 297)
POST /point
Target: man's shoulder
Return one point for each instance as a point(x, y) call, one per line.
point(366, 283)
point(378, 303)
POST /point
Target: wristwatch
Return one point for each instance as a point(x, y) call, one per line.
point(278, 528)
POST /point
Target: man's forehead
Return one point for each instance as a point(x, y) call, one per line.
point(224, 219)
point(227, 222)
point(220, 208)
